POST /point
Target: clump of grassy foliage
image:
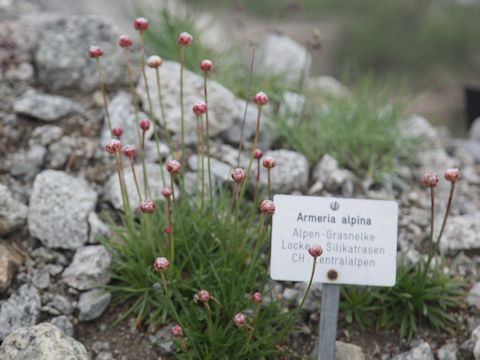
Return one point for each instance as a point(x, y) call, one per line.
point(424, 294)
point(212, 252)
point(361, 131)
point(411, 305)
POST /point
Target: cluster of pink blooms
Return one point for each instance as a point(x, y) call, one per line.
point(174, 167)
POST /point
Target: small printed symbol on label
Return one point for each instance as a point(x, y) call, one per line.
point(334, 205)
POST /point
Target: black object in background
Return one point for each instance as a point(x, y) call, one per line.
point(472, 103)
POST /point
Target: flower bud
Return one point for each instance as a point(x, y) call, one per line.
point(113, 147)
point(257, 298)
point(161, 264)
point(140, 24)
point(267, 207)
point(129, 151)
point(258, 154)
point(147, 207)
point(95, 51)
point(430, 179)
point(168, 229)
point(204, 296)
point(125, 41)
point(452, 175)
point(177, 331)
point(166, 192)
point(144, 124)
point(199, 108)
point(154, 61)
point(240, 319)
point(269, 162)
point(315, 250)
point(117, 132)
point(206, 65)
point(260, 99)
point(173, 167)
point(184, 39)
point(238, 175)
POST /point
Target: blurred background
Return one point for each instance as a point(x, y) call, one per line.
point(426, 51)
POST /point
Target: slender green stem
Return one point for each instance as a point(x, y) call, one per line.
point(203, 161)
point(249, 90)
point(150, 107)
point(257, 184)
point(447, 212)
point(120, 182)
point(144, 166)
point(205, 92)
point(209, 323)
point(162, 112)
point(133, 92)
point(309, 284)
point(269, 184)
point(237, 202)
point(182, 125)
point(132, 163)
point(169, 299)
point(432, 229)
point(104, 93)
point(250, 163)
point(142, 64)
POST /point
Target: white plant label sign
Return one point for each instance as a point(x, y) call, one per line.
point(358, 237)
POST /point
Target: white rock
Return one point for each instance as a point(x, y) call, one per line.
point(421, 352)
point(278, 54)
point(20, 310)
point(462, 233)
point(42, 342)
point(59, 209)
point(88, 268)
point(475, 130)
point(290, 174)
point(92, 304)
point(348, 351)
point(45, 107)
point(13, 213)
point(419, 127)
point(473, 298)
point(327, 86)
point(329, 174)
point(98, 228)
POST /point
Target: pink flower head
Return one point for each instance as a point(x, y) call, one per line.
point(430, 179)
point(185, 39)
point(113, 147)
point(140, 24)
point(315, 250)
point(260, 99)
point(452, 175)
point(95, 51)
point(144, 124)
point(125, 41)
point(117, 132)
point(173, 167)
point(199, 108)
point(267, 207)
point(168, 229)
point(166, 192)
point(161, 264)
point(269, 162)
point(238, 175)
point(147, 207)
point(154, 61)
point(177, 331)
point(129, 151)
point(206, 65)
point(257, 298)
point(240, 319)
point(204, 296)
point(258, 154)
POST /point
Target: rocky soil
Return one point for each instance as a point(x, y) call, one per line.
point(56, 185)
